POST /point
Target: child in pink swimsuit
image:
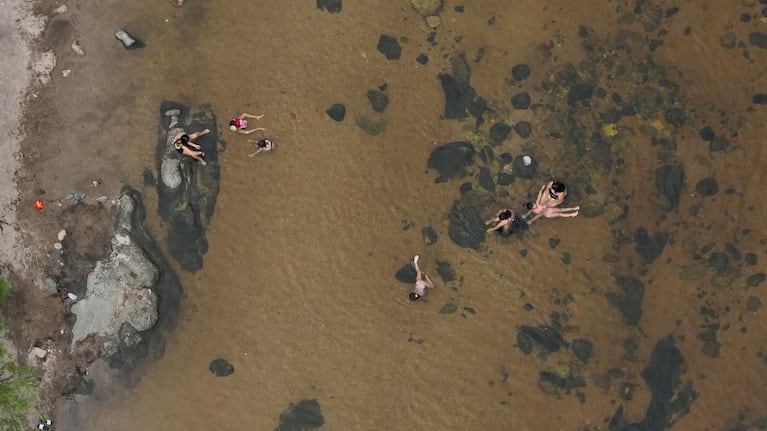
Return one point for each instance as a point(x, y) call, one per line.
point(240, 124)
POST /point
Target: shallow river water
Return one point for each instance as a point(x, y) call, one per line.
point(298, 292)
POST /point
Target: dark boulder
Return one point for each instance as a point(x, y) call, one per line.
point(521, 101)
point(499, 132)
point(579, 93)
point(582, 349)
point(445, 271)
point(220, 367)
point(758, 39)
point(451, 159)
point(389, 46)
point(525, 167)
point(332, 6)
point(337, 112)
point(304, 416)
point(485, 179)
point(459, 95)
point(707, 187)
point(378, 99)
point(520, 72)
point(406, 274)
point(523, 129)
point(466, 226)
point(187, 191)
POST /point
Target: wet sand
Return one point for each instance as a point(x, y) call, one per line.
point(297, 291)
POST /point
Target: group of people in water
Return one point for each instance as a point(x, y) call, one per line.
point(551, 195)
point(185, 143)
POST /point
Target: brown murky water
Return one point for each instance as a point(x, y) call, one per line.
point(297, 291)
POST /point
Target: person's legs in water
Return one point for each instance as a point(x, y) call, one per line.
point(195, 135)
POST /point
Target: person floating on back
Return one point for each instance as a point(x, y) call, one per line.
point(551, 195)
point(240, 124)
point(422, 281)
point(185, 145)
point(502, 221)
point(264, 145)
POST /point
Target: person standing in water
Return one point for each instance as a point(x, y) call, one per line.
point(240, 124)
point(422, 281)
point(185, 144)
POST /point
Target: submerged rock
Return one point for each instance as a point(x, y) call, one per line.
point(445, 271)
point(499, 132)
point(372, 127)
point(671, 397)
point(459, 96)
point(582, 349)
point(389, 46)
point(629, 300)
point(220, 367)
point(520, 72)
point(337, 112)
point(378, 99)
point(649, 247)
point(707, 187)
point(304, 416)
point(451, 159)
point(427, 7)
point(466, 227)
point(332, 6)
point(547, 337)
point(669, 180)
point(187, 191)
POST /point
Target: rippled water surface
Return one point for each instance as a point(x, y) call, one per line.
point(298, 289)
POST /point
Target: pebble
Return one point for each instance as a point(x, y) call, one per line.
point(101, 199)
point(61, 9)
point(62, 234)
point(78, 196)
point(57, 246)
point(66, 73)
point(51, 283)
point(72, 296)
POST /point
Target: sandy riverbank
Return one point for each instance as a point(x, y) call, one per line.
point(43, 157)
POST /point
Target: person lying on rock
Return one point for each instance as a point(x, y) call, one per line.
point(264, 145)
point(422, 281)
point(502, 221)
point(550, 197)
point(185, 145)
point(240, 124)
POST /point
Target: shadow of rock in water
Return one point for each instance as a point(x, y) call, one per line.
point(186, 190)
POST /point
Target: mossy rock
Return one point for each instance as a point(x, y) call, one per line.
point(591, 209)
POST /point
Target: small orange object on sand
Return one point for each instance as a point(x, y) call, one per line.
point(39, 204)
